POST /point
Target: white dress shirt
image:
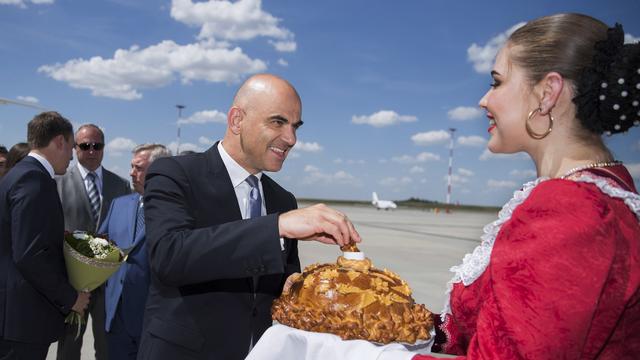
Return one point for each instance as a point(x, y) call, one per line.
point(84, 172)
point(238, 176)
point(42, 160)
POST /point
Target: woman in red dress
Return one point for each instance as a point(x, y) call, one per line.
point(557, 276)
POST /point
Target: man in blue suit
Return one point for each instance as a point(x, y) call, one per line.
point(35, 294)
point(126, 291)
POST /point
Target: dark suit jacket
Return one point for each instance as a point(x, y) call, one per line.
point(35, 294)
point(75, 201)
point(128, 287)
point(203, 256)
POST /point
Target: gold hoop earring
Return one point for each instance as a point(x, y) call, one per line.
point(532, 133)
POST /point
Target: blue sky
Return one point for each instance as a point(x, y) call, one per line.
point(381, 82)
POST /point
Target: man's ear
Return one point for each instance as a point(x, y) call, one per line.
point(59, 141)
point(234, 118)
point(550, 88)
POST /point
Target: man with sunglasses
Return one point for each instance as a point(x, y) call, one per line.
point(86, 192)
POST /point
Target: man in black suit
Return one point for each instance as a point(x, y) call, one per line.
point(35, 294)
point(221, 242)
point(3, 160)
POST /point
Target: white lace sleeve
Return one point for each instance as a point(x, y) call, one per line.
point(474, 264)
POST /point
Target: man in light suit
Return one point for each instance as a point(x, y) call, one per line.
point(126, 291)
point(221, 233)
point(35, 294)
point(86, 191)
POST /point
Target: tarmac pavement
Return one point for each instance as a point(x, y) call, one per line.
point(418, 245)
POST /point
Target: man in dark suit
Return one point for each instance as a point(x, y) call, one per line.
point(126, 291)
point(86, 191)
point(3, 160)
point(216, 263)
point(35, 294)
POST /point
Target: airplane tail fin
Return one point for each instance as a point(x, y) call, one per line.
point(375, 197)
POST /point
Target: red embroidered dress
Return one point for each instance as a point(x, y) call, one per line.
point(556, 277)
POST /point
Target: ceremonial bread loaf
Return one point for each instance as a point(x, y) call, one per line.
point(353, 300)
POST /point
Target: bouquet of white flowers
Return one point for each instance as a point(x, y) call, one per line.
point(90, 261)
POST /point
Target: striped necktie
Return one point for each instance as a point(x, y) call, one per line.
point(255, 200)
point(94, 196)
point(139, 219)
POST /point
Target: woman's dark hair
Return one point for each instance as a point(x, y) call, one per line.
point(17, 153)
point(604, 71)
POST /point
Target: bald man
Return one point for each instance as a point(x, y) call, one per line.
point(222, 235)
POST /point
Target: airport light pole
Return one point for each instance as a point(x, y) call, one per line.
point(452, 131)
point(180, 107)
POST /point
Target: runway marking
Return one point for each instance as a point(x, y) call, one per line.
point(476, 240)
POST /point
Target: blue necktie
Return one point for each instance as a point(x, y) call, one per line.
point(94, 196)
point(255, 200)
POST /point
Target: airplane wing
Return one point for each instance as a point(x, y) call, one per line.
point(4, 101)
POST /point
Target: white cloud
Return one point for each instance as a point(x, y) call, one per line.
point(311, 168)
point(132, 69)
point(395, 181)
point(523, 174)
point(308, 146)
point(382, 118)
point(205, 116)
point(23, 3)
point(463, 113)
point(461, 177)
point(630, 39)
point(173, 146)
point(431, 137)
point(488, 155)
point(634, 170)
point(283, 62)
point(465, 172)
point(349, 161)
point(206, 141)
point(456, 179)
point(421, 157)
point(482, 56)
point(120, 145)
point(473, 140)
point(30, 99)
point(339, 177)
point(497, 184)
point(416, 169)
point(240, 20)
point(284, 46)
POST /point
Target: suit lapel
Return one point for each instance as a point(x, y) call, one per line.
point(78, 183)
point(220, 182)
point(270, 197)
point(133, 217)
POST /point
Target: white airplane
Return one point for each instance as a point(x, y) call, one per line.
point(382, 204)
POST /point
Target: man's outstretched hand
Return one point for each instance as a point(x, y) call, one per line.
point(318, 222)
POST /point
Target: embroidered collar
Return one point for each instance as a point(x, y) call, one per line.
point(474, 264)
